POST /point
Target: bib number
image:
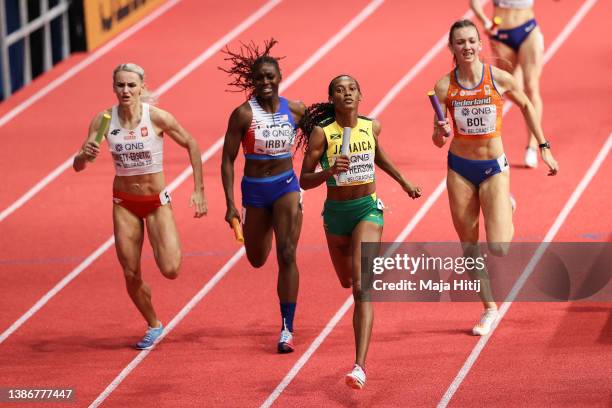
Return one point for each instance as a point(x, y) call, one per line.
point(274, 139)
point(476, 120)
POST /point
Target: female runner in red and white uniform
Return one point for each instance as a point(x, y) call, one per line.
point(478, 172)
point(135, 140)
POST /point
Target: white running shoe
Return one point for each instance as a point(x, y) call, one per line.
point(285, 342)
point(531, 158)
point(483, 327)
point(356, 379)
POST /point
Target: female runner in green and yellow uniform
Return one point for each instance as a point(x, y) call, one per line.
point(352, 213)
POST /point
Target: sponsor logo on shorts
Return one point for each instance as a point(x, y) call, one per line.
point(489, 171)
point(289, 180)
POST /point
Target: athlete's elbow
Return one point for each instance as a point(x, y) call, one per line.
point(305, 184)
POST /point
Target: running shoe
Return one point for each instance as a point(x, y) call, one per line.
point(149, 338)
point(356, 379)
point(285, 342)
point(483, 327)
point(531, 158)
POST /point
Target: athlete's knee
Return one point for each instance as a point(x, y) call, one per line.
point(499, 248)
point(256, 260)
point(360, 292)
point(532, 88)
point(346, 283)
point(133, 277)
point(286, 253)
point(170, 268)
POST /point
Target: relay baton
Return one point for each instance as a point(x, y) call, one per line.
point(435, 103)
point(237, 230)
point(496, 22)
point(102, 130)
point(344, 150)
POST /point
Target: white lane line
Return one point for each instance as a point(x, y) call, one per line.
point(199, 60)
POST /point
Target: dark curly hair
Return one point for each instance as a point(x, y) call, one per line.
point(317, 113)
point(246, 61)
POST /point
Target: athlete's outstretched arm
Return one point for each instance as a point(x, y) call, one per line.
point(507, 85)
point(170, 126)
point(479, 12)
point(237, 126)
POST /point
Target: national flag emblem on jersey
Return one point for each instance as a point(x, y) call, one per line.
point(487, 89)
point(284, 118)
point(144, 132)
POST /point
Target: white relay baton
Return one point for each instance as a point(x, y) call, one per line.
point(344, 150)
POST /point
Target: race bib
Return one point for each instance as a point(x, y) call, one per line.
point(274, 139)
point(361, 169)
point(476, 120)
point(129, 160)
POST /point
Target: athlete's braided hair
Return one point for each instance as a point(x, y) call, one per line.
point(246, 61)
point(317, 113)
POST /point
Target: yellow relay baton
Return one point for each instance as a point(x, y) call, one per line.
point(102, 129)
point(237, 230)
point(496, 22)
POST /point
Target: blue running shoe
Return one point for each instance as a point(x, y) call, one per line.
point(149, 338)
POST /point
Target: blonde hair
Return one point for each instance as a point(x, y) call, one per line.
point(145, 96)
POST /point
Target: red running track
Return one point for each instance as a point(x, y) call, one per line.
point(222, 353)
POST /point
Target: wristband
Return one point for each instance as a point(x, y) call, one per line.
point(544, 145)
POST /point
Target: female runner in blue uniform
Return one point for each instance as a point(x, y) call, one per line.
point(266, 126)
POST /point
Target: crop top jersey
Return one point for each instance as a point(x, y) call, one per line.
point(362, 149)
point(476, 112)
point(137, 151)
point(271, 135)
